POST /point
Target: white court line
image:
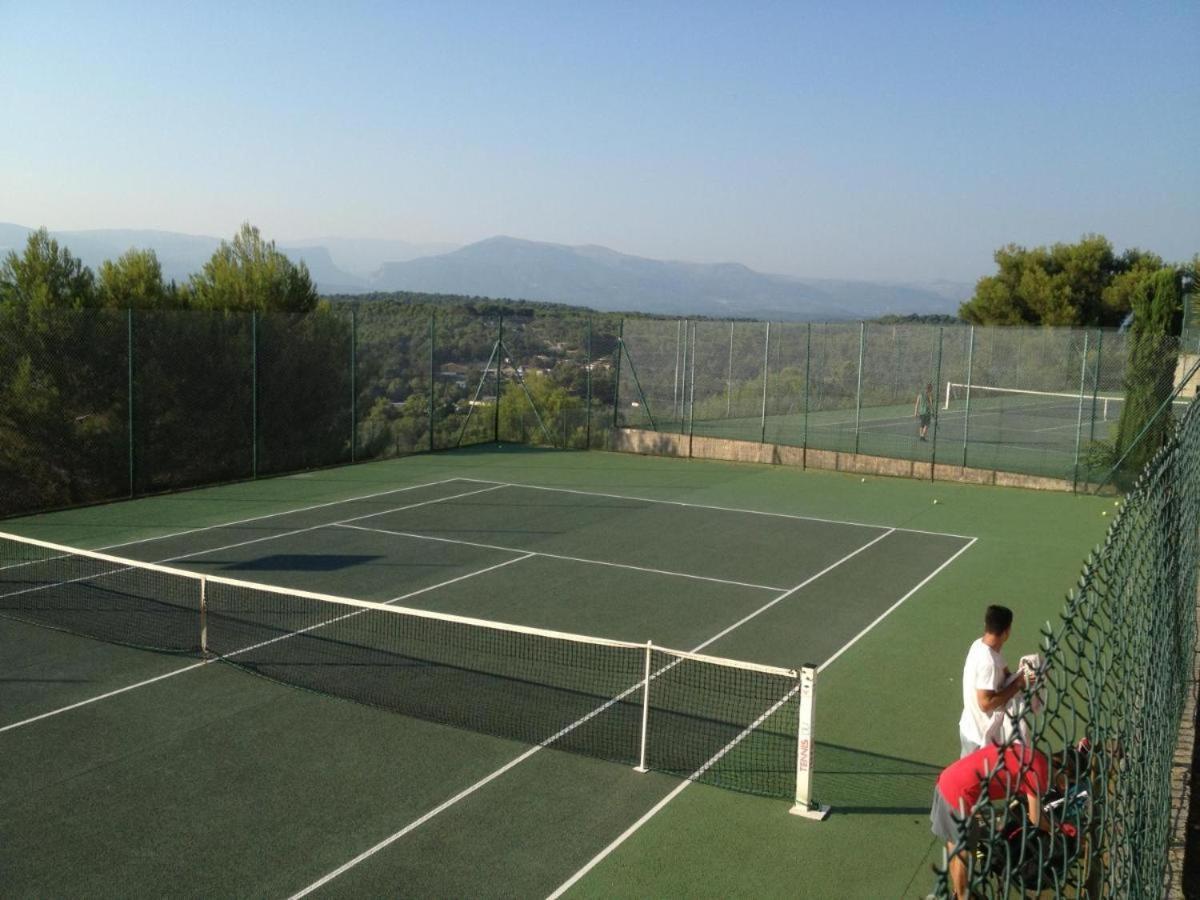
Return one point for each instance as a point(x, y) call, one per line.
point(163, 537)
point(206, 662)
point(578, 559)
point(658, 807)
point(732, 509)
point(366, 854)
point(257, 540)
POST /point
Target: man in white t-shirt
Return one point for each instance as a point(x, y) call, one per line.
point(987, 685)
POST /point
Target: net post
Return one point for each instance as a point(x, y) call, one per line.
point(967, 408)
point(762, 438)
point(203, 616)
point(641, 766)
point(1079, 419)
point(129, 395)
point(804, 805)
point(862, 347)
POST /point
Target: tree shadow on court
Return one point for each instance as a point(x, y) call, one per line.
point(855, 781)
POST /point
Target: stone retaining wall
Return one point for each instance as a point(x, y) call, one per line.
point(654, 443)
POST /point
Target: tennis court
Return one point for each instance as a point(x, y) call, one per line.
point(182, 775)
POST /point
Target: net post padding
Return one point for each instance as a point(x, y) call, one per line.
point(805, 806)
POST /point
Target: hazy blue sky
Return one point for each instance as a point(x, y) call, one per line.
point(897, 139)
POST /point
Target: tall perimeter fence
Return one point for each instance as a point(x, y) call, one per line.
point(1034, 401)
point(96, 405)
point(1116, 671)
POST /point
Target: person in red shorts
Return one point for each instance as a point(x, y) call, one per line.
point(1007, 771)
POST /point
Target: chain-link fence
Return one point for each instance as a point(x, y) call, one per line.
point(1103, 711)
point(1065, 403)
point(100, 404)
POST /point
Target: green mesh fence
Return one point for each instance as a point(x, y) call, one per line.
point(1115, 672)
point(1033, 401)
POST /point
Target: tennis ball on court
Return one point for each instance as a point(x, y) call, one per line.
point(1116, 503)
point(863, 480)
point(935, 502)
point(1104, 512)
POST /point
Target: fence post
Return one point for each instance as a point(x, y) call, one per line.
point(254, 393)
point(675, 402)
point(862, 346)
point(129, 398)
point(683, 374)
point(692, 395)
point(1096, 380)
point(588, 370)
point(617, 376)
point(762, 438)
point(729, 375)
point(937, 380)
point(354, 383)
point(967, 409)
point(807, 372)
point(499, 366)
point(1079, 418)
point(432, 376)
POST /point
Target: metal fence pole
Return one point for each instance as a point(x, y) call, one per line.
point(354, 384)
point(588, 370)
point(1096, 380)
point(432, 377)
point(967, 409)
point(937, 380)
point(1079, 418)
point(254, 393)
point(499, 366)
point(729, 375)
point(617, 376)
point(862, 346)
point(675, 403)
point(807, 372)
point(692, 394)
point(129, 397)
point(762, 438)
point(683, 374)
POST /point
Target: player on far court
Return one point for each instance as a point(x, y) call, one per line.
point(924, 411)
point(987, 684)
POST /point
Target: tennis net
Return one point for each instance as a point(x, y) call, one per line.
point(1066, 406)
point(733, 724)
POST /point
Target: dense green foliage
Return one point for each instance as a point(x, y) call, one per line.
point(1146, 418)
point(1085, 283)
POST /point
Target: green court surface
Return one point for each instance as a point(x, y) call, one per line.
point(176, 776)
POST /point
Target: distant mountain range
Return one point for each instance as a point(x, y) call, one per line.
point(506, 267)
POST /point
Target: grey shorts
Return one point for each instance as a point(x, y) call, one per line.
point(944, 822)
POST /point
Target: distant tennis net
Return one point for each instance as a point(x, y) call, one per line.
point(733, 724)
point(1063, 406)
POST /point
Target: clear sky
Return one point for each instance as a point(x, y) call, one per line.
point(891, 140)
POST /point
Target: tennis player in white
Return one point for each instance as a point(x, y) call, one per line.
point(987, 684)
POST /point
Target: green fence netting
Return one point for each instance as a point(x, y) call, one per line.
point(97, 405)
point(1116, 670)
point(1033, 401)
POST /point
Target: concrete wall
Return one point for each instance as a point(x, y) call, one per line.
point(653, 443)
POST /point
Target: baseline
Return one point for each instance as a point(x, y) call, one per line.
point(729, 509)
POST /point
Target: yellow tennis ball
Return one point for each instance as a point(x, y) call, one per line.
point(935, 503)
point(1104, 512)
point(863, 480)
